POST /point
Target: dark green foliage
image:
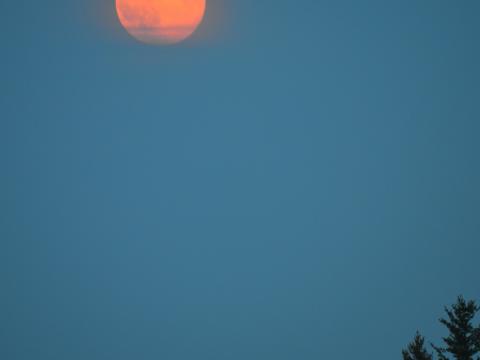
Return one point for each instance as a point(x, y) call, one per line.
point(416, 349)
point(463, 342)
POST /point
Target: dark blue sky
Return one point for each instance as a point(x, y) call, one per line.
point(297, 181)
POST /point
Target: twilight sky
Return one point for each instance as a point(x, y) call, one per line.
point(296, 182)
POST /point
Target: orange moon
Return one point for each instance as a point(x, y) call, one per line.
point(161, 21)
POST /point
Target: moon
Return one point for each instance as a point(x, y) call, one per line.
point(160, 22)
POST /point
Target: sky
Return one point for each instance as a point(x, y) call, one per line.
point(298, 180)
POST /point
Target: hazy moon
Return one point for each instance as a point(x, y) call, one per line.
point(160, 21)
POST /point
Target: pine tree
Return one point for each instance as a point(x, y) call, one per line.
point(463, 342)
point(416, 349)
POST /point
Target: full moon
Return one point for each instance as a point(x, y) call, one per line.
point(161, 21)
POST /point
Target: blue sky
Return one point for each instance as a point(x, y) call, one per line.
point(297, 181)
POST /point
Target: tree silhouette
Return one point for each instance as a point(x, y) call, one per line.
point(416, 349)
point(463, 342)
